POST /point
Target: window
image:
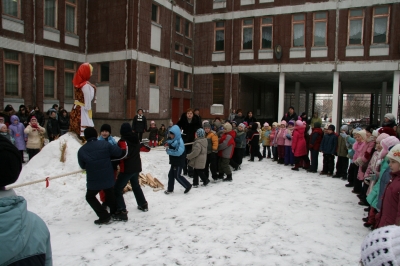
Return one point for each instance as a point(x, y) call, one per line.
point(153, 75)
point(266, 33)
point(178, 48)
point(320, 22)
point(186, 81)
point(154, 13)
point(298, 24)
point(50, 85)
point(12, 64)
point(12, 8)
point(50, 15)
point(188, 29)
point(381, 24)
point(247, 29)
point(188, 51)
point(356, 24)
point(70, 16)
point(178, 24)
point(69, 71)
point(219, 44)
point(105, 72)
point(177, 76)
point(218, 88)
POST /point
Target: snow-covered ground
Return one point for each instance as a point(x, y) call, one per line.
point(268, 215)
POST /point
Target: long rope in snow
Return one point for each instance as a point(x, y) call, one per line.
point(47, 179)
point(162, 148)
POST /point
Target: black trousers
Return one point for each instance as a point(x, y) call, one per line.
point(341, 166)
point(314, 160)
point(265, 148)
point(255, 151)
point(188, 169)
point(328, 163)
point(237, 157)
point(96, 206)
point(211, 165)
point(352, 173)
point(32, 153)
point(196, 174)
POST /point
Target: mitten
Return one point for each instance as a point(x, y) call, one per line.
point(288, 136)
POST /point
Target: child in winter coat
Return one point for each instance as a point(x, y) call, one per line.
point(153, 131)
point(353, 168)
point(254, 138)
point(35, 135)
point(177, 159)
point(273, 143)
point(289, 156)
point(17, 132)
point(328, 148)
point(390, 210)
point(212, 150)
point(265, 140)
point(299, 146)
point(240, 147)
point(161, 135)
point(226, 147)
point(342, 160)
point(198, 157)
point(314, 145)
point(4, 132)
point(280, 140)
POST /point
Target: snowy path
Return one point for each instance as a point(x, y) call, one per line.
point(269, 215)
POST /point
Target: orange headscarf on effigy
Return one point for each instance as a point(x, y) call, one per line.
point(82, 76)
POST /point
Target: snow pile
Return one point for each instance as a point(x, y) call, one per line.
point(268, 215)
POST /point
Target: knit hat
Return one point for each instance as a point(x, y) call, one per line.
point(241, 125)
point(205, 121)
point(206, 125)
point(283, 122)
point(105, 127)
point(126, 129)
point(299, 123)
point(152, 122)
point(8, 108)
point(394, 154)
point(291, 122)
point(245, 123)
point(317, 125)
point(331, 127)
point(90, 132)
point(2, 125)
point(375, 133)
point(10, 162)
point(381, 247)
point(386, 144)
point(227, 127)
point(344, 128)
point(233, 122)
point(388, 130)
point(381, 137)
point(390, 116)
point(200, 133)
point(32, 117)
point(275, 124)
point(266, 124)
point(362, 133)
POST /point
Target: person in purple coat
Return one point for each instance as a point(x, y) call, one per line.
point(17, 132)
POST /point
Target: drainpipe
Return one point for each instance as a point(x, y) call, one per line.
point(194, 28)
point(34, 55)
point(337, 35)
point(137, 55)
point(230, 89)
point(170, 57)
point(86, 29)
point(126, 58)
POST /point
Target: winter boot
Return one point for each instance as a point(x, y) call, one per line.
point(228, 178)
point(296, 167)
point(306, 165)
point(120, 216)
point(103, 221)
point(144, 207)
point(220, 176)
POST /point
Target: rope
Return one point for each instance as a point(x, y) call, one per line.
point(47, 179)
point(162, 148)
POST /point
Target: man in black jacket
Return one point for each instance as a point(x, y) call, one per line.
point(53, 128)
point(290, 115)
point(189, 123)
point(139, 124)
point(129, 168)
point(95, 157)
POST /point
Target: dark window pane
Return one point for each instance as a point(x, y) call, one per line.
point(50, 13)
point(69, 65)
point(381, 10)
point(319, 34)
point(380, 27)
point(185, 80)
point(356, 13)
point(218, 88)
point(178, 24)
point(266, 38)
point(49, 62)
point(298, 35)
point(176, 78)
point(153, 75)
point(248, 22)
point(187, 28)
point(320, 15)
point(105, 72)
point(154, 13)
point(267, 21)
point(10, 7)
point(220, 24)
point(70, 21)
point(248, 38)
point(49, 83)
point(69, 88)
point(11, 55)
point(11, 79)
point(299, 17)
point(219, 40)
point(355, 31)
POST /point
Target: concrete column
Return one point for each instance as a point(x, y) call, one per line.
point(383, 101)
point(335, 100)
point(297, 98)
point(376, 102)
point(340, 106)
point(395, 95)
point(281, 102)
point(307, 103)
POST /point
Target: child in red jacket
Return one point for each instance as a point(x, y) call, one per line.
point(315, 142)
point(299, 146)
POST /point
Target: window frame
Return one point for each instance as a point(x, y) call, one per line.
point(180, 50)
point(272, 32)
point(252, 34)
point(304, 30)
point(155, 75)
point(69, 71)
point(67, 3)
point(188, 23)
point(55, 15)
point(99, 72)
point(186, 79)
point(179, 79)
point(387, 24)
point(12, 62)
point(157, 13)
point(216, 28)
point(180, 24)
point(326, 28)
point(362, 26)
point(50, 68)
point(18, 10)
point(189, 53)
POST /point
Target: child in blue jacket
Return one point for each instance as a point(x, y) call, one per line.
point(328, 148)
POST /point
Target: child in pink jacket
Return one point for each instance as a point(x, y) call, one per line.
point(280, 140)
